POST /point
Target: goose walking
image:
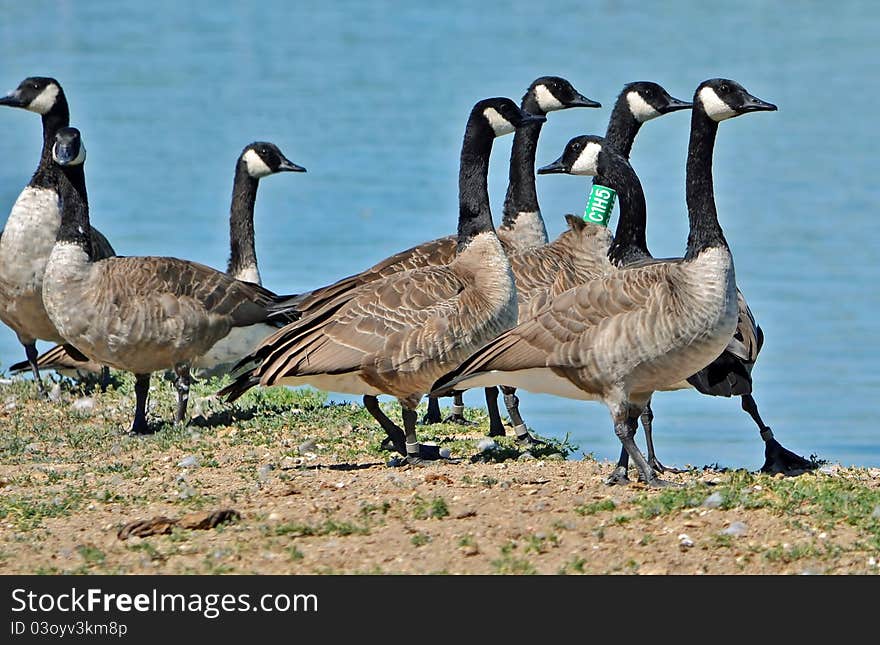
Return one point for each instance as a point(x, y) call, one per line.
point(624, 335)
point(522, 228)
point(396, 335)
point(730, 373)
point(138, 314)
point(579, 253)
point(30, 231)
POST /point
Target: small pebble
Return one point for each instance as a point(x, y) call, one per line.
point(263, 472)
point(307, 446)
point(444, 453)
point(55, 393)
point(486, 444)
point(735, 529)
point(828, 470)
point(291, 462)
point(395, 479)
point(526, 456)
point(188, 462)
point(876, 513)
point(714, 500)
point(84, 405)
point(684, 541)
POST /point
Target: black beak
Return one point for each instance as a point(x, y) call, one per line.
point(12, 100)
point(556, 167)
point(673, 104)
point(754, 104)
point(64, 153)
point(580, 100)
point(288, 165)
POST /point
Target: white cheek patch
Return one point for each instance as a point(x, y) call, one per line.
point(640, 109)
point(45, 100)
point(80, 157)
point(256, 167)
point(587, 162)
point(546, 101)
point(716, 108)
point(499, 124)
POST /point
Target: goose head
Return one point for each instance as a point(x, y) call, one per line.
point(503, 116)
point(721, 98)
point(36, 93)
point(262, 158)
point(549, 93)
point(68, 148)
point(582, 156)
point(647, 100)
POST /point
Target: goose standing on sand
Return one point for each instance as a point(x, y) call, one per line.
point(730, 373)
point(257, 160)
point(622, 336)
point(139, 314)
point(522, 226)
point(29, 235)
point(579, 253)
point(396, 335)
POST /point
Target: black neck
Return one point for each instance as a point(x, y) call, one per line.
point(241, 220)
point(75, 226)
point(48, 173)
point(622, 128)
point(522, 196)
point(474, 215)
point(629, 242)
point(705, 232)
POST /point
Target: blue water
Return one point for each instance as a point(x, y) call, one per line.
point(372, 99)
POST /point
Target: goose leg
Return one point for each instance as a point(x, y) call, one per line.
point(511, 402)
point(416, 453)
point(647, 424)
point(105, 378)
point(619, 475)
point(626, 420)
point(433, 413)
point(457, 415)
point(30, 350)
point(181, 384)
point(141, 390)
point(396, 439)
point(777, 459)
point(496, 425)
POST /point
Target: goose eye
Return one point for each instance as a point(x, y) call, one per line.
point(724, 87)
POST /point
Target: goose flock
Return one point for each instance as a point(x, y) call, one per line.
point(588, 315)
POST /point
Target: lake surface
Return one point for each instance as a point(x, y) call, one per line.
point(372, 98)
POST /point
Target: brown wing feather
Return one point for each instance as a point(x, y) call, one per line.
point(437, 252)
point(386, 324)
point(563, 333)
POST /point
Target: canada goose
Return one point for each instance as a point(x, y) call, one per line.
point(622, 336)
point(521, 227)
point(397, 334)
point(257, 160)
point(139, 314)
point(32, 226)
point(730, 373)
point(580, 253)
